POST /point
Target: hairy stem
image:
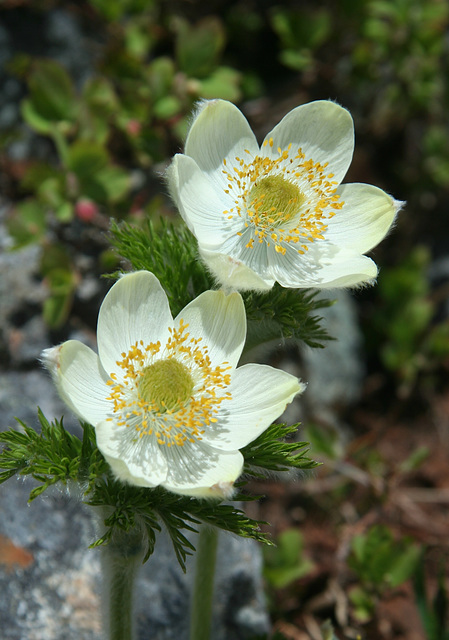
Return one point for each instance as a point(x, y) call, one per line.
point(203, 589)
point(121, 560)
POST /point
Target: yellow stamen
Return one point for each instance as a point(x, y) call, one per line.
point(287, 200)
point(173, 398)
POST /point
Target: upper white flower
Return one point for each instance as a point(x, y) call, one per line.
point(278, 213)
point(169, 405)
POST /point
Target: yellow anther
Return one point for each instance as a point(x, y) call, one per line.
point(177, 393)
point(289, 191)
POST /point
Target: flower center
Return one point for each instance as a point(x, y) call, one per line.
point(166, 384)
point(282, 201)
point(274, 200)
point(173, 398)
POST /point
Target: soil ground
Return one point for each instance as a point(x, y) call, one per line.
point(370, 485)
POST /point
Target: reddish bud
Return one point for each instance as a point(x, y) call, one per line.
point(133, 127)
point(86, 210)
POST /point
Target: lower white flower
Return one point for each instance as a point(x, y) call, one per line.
point(278, 213)
point(169, 405)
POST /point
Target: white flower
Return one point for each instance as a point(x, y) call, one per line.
point(168, 404)
point(278, 213)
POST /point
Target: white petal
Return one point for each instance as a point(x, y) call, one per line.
point(196, 469)
point(219, 131)
point(300, 270)
point(201, 205)
point(324, 265)
point(220, 321)
point(323, 130)
point(232, 272)
point(365, 218)
point(260, 394)
point(353, 272)
point(136, 308)
point(80, 380)
point(138, 461)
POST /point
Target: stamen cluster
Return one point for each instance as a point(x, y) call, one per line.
point(283, 200)
point(172, 419)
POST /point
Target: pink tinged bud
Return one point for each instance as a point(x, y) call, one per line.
point(133, 127)
point(86, 210)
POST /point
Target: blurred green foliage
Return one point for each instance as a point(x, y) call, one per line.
point(403, 327)
point(285, 562)
point(380, 562)
point(433, 611)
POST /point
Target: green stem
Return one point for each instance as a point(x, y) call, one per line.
point(61, 145)
point(121, 560)
point(203, 589)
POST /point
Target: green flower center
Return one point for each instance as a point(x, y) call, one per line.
point(274, 209)
point(166, 384)
point(274, 200)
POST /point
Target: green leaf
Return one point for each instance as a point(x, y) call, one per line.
point(86, 159)
point(27, 223)
point(324, 441)
point(223, 83)
point(116, 183)
point(64, 212)
point(300, 29)
point(98, 179)
point(270, 451)
point(380, 561)
point(57, 269)
point(138, 39)
point(167, 107)
point(34, 119)
point(298, 60)
point(177, 513)
point(404, 564)
point(52, 97)
point(284, 563)
point(363, 603)
point(161, 73)
point(50, 191)
point(36, 174)
point(121, 9)
point(280, 314)
point(100, 108)
point(49, 457)
point(56, 307)
point(415, 459)
point(199, 47)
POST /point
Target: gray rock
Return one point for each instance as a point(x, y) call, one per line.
point(51, 583)
point(52, 34)
point(20, 395)
point(335, 374)
point(21, 294)
point(67, 44)
point(239, 609)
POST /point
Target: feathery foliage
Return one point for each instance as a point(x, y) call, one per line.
point(54, 455)
point(170, 252)
point(270, 451)
point(167, 250)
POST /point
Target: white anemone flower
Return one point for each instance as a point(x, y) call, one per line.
point(169, 405)
point(278, 213)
